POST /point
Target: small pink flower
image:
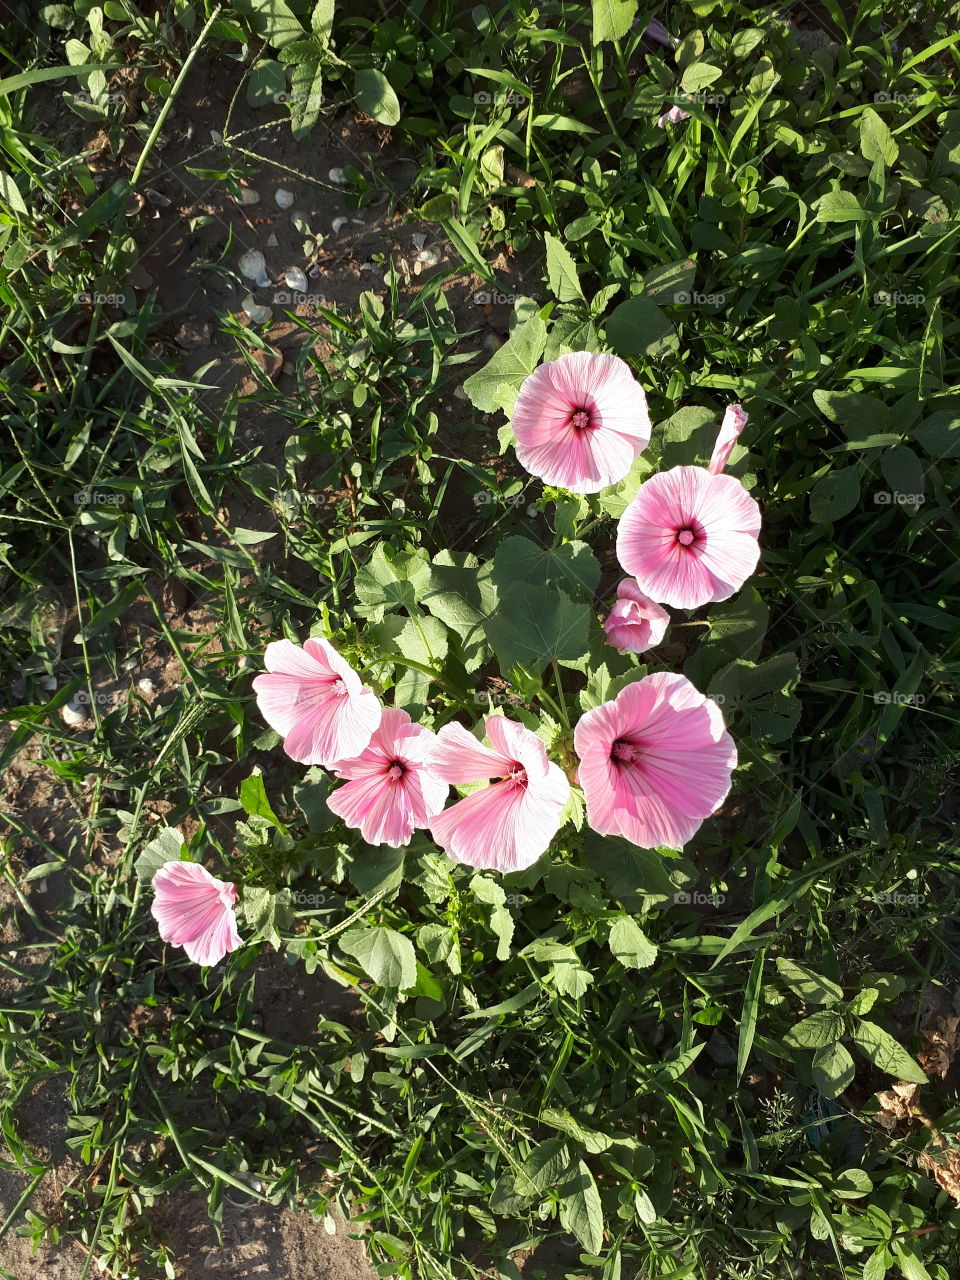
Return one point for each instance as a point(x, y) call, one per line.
point(734, 420)
point(690, 536)
point(635, 623)
point(317, 701)
point(654, 762)
point(581, 421)
point(391, 790)
point(673, 116)
point(506, 826)
point(194, 910)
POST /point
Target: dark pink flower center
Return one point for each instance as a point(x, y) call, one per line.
point(396, 770)
point(580, 419)
point(624, 752)
point(338, 689)
point(517, 775)
point(686, 537)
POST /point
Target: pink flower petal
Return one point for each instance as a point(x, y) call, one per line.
point(393, 788)
point(690, 537)
point(194, 910)
point(509, 825)
point(635, 623)
point(734, 420)
point(581, 421)
point(314, 698)
point(654, 762)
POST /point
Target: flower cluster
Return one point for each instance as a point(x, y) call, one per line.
point(654, 762)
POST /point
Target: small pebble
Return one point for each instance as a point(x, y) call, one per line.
point(249, 196)
point(252, 264)
point(74, 714)
point(272, 241)
point(295, 279)
point(283, 197)
point(146, 686)
point(156, 197)
point(257, 313)
point(428, 257)
point(419, 240)
point(338, 176)
point(49, 683)
point(338, 224)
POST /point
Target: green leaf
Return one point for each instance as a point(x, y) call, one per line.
point(638, 327)
point(321, 20)
point(835, 495)
point(876, 140)
point(264, 910)
point(311, 798)
point(851, 1184)
point(571, 567)
point(580, 1210)
point(762, 693)
point(626, 870)
point(387, 957)
point(533, 625)
point(815, 1032)
point(857, 415)
point(306, 96)
point(911, 1267)
point(809, 986)
point(751, 1010)
point(390, 581)
point(833, 1070)
point(253, 797)
point(376, 869)
point(841, 206)
point(166, 846)
point(495, 386)
point(376, 96)
point(272, 20)
point(562, 275)
point(567, 973)
point(266, 82)
point(881, 1049)
point(544, 1167)
point(939, 434)
point(662, 283)
point(630, 944)
point(461, 593)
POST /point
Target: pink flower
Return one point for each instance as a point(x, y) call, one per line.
point(635, 623)
point(689, 537)
point(195, 911)
point(316, 700)
point(392, 790)
point(581, 421)
point(655, 762)
point(734, 420)
point(673, 116)
point(506, 826)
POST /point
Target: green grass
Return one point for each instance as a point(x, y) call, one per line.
point(681, 1116)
